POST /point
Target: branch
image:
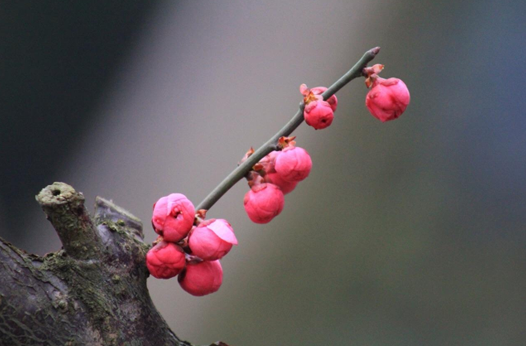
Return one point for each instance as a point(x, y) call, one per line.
point(91, 293)
point(271, 145)
point(65, 210)
point(35, 305)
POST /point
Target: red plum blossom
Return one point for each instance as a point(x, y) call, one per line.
point(332, 101)
point(165, 260)
point(263, 202)
point(267, 162)
point(173, 217)
point(201, 278)
point(318, 113)
point(293, 164)
point(388, 98)
point(212, 239)
point(284, 185)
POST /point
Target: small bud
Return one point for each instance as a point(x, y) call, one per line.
point(263, 202)
point(332, 101)
point(387, 99)
point(318, 114)
point(165, 260)
point(285, 142)
point(284, 185)
point(293, 164)
point(202, 278)
point(371, 73)
point(173, 217)
point(266, 164)
point(212, 239)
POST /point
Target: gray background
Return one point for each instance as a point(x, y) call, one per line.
point(410, 232)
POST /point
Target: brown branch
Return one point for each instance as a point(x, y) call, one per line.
point(64, 208)
point(91, 293)
point(34, 303)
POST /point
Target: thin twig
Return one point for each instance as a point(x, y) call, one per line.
point(241, 170)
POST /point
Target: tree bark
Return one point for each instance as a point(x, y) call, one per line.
point(92, 292)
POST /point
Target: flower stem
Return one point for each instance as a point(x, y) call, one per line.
point(241, 170)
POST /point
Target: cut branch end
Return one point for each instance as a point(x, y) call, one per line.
point(64, 208)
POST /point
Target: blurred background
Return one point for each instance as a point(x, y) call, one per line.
point(410, 232)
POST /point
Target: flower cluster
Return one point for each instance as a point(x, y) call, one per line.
point(188, 245)
point(388, 98)
point(191, 246)
point(275, 175)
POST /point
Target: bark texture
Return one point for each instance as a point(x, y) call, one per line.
point(92, 292)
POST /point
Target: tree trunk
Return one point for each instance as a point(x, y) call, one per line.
point(92, 292)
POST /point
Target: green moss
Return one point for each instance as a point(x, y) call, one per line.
point(130, 241)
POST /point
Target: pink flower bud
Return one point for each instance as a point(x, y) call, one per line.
point(387, 99)
point(212, 239)
point(267, 163)
point(263, 202)
point(165, 260)
point(318, 114)
point(202, 278)
point(293, 164)
point(173, 217)
point(284, 185)
point(332, 101)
